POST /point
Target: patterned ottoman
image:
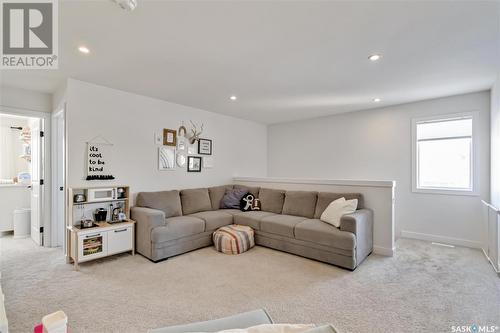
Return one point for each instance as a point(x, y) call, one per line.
point(233, 239)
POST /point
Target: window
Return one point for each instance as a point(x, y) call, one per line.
point(443, 155)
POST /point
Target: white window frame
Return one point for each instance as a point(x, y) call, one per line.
point(474, 154)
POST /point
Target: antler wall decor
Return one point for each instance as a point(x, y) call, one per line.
point(195, 133)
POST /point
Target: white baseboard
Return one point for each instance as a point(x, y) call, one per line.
point(384, 251)
point(491, 263)
point(441, 239)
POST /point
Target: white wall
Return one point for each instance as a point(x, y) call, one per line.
point(129, 121)
point(495, 144)
point(376, 145)
point(495, 133)
point(25, 99)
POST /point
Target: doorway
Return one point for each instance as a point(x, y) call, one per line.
point(22, 154)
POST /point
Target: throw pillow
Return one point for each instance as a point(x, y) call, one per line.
point(232, 198)
point(246, 202)
point(338, 208)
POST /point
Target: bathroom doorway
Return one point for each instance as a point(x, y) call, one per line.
point(22, 194)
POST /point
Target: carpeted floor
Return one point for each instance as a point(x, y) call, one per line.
point(424, 288)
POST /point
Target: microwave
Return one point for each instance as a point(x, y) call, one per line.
point(101, 194)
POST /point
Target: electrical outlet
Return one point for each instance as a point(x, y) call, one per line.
point(158, 138)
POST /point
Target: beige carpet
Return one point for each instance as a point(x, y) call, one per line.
point(424, 288)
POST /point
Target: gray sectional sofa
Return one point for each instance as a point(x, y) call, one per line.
point(174, 222)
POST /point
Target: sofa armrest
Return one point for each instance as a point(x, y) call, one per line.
point(146, 220)
point(360, 223)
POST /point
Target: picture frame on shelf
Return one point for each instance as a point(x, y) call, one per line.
point(204, 146)
point(166, 158)
point(169, 137)
point(194, 164)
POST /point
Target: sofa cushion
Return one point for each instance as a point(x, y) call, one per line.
point(177, 227)
point(232, 198)
point(325, 198)
point(229, 211)
point(195, 200)
point(214, 219)
point(271, 200)
point(300, 203)
point(251, 189)
point(251, 219)
point(168, 202)
point(216, 193)
point(317, 231)
point(281, 224)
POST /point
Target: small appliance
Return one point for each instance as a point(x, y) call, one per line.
point(120, 193)
point(101, 194)
point(100, 214)
point(79, 198)
point(86, 223)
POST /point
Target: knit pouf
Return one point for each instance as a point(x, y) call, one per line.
point(233, 239)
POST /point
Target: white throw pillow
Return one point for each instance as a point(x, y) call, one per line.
point(338, 208)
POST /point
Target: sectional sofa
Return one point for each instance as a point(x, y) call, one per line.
point(174, 222)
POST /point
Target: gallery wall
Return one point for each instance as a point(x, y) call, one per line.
point(130, 121)
point(376, 145)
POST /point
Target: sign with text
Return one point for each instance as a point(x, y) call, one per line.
point(98, 155)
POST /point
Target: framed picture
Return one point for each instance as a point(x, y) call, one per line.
point(192, 149)
point(166, 158)
point(208, 162)
point(169, 137)
point(194, 164)
point(205, 147)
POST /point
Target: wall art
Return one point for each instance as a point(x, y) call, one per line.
point(166, 158)
point(98, 157)
point(169, 137)
point(204, 146)
point(194, 164)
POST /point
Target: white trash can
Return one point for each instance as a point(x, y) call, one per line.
point(22, 223)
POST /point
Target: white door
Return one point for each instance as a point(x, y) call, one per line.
point(36, 175)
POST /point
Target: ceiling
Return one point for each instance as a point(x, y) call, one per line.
point(283, 60)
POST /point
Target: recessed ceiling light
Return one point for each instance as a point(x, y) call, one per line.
point(376, 100)
point(84, 49)
point(375, 57)
point(233, 98)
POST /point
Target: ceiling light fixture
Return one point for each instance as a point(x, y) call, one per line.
point(233, 98)
point(84, 49)
point(376, 100)
point(128, 5)
point(374, 57)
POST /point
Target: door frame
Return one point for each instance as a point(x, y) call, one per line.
point(60, 112)
point(47, 177)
